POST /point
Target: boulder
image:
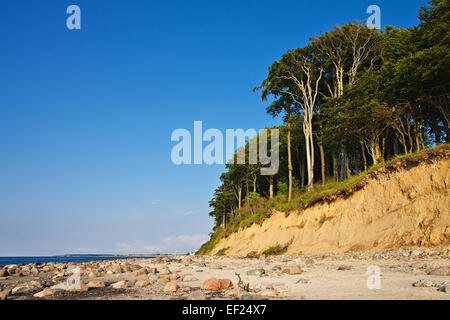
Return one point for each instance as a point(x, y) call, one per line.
point(120, 285)
point(256, 272)
point(216, 284)
point(4, 294)
point(44, 293)
point(189, 278)
point(170, 287)
point(143, 283)
point(293, 270)
point(141, 272)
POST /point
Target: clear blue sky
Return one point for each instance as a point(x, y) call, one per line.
point(86, 115)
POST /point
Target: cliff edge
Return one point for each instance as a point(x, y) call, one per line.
point(405, 204)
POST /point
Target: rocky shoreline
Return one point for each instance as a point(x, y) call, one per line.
point(405, 274)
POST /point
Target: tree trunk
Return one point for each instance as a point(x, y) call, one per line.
point(240, 196)
point(322, 162)
point(335, 169)
point(289, 158)
point(364, 155)
point(271, 187)
point(309, 153)
point(347, 167)
point(343, 156)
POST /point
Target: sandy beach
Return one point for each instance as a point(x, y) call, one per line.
point(404, 274)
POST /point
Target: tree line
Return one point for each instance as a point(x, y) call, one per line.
point(352, 98)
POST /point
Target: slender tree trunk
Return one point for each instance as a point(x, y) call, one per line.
point(307, 130)
point(322, 162)
point(343, 161)
point(311, 175)
point(289, 158)
point(302, 173)
point(347, 166)
point(240, 196)
point(364, 155)
point(271, 187)
point(335, 168)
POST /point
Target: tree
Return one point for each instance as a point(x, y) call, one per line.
point(294, 80)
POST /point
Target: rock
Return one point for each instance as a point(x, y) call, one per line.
point(185, 289)
point(170, 287)
point(281, 288)
point(267, 294)
point(174, 276)
point(120, 285)
point(216, 284)
point(187, 260)
point(165, 272)
point(276, 268)
point(293, 270)
point(427, 283)
point(126, 269)
point(443, 289)
point(60, 286)
point(34, 270)
point(96, 284)
point(4, 294)
point(189, 278)
point(256, 272)
point(310, 261)
point(4, 273)
point(151, 270)
point(143, 283)
point(344, 268)
point(116, 268)
point(23, 289)
point(197, 295)
point(419, 265)
point(12, 268)
point(442, 271)
point(141, 272)
point(44, 293)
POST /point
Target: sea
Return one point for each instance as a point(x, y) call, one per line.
point(68, 258)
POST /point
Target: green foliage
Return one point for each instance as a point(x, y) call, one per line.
point(277, 250)
point(222, 251)
point(282, 187)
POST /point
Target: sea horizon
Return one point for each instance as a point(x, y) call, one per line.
point(10, 260)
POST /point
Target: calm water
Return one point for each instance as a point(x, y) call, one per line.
point(19, 260)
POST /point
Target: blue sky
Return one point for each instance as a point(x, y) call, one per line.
point(86, 115)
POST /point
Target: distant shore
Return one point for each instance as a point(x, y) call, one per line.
point(69, 258)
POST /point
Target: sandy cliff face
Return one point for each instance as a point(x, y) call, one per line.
point(404, 205)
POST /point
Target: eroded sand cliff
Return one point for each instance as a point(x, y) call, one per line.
point(403, 205)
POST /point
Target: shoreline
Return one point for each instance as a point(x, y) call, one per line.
point(24, 260)
point(404, 274)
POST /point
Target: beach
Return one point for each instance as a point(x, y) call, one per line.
point(395, 274)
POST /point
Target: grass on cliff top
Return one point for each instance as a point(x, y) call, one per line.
point(300, 199)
